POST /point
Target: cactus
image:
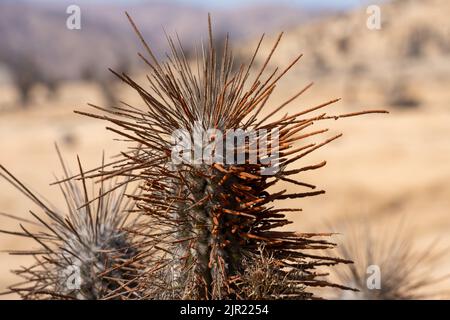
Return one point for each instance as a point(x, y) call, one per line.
point(388, 266)
point(89, 252)
point(213, 217)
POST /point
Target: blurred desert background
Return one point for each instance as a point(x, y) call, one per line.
point(385, 168)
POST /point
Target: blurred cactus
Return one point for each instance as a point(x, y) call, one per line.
point(391, 251)
point(85, 253)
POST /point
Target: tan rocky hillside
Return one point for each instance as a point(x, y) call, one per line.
point(405, 63)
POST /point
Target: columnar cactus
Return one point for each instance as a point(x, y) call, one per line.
point(209, 214)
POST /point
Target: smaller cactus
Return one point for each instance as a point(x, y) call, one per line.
point(87, 253)
point(211, 215)
point(391, 253)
